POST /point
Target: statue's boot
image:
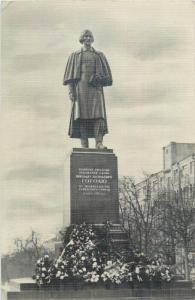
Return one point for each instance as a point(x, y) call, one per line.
point(84, 143)
point(99, 144)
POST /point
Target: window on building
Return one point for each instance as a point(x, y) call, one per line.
point(186, 192)
point(161, 183)
point(184, 168)
point(191, 167)
point(155, 186)
point(191, 190)
point(144, 190)
point(175, 175)
point(192, 260)
point(168, 182)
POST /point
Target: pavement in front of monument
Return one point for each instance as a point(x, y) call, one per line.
point(27, 295)
point(113, 298)
point(26, 289)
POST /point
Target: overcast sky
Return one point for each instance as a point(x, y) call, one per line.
point(150, 48)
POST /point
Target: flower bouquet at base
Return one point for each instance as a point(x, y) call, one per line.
point(85, 262)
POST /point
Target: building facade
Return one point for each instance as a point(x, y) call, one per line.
point(178, 171)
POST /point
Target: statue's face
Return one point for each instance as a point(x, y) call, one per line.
point(87, 39)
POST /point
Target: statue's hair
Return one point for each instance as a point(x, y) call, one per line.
point(82, 35)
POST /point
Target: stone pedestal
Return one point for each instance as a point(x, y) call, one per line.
point(93, 186)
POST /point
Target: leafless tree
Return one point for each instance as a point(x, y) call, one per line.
point(32, 245)
point(161, 222)
point(21, 262)
point(179, 220)
point(139, 215)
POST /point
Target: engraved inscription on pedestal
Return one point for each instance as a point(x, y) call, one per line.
point(94, 181)
point(94, 186)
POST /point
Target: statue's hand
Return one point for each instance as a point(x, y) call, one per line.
point(72, 92)
point(72, 98)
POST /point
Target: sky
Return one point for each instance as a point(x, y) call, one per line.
point(150, 48)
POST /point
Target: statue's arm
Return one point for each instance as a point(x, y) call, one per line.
point(72, 91)
point(70, 75)
point(107, 80)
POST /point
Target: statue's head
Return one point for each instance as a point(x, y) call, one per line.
point(86, 37)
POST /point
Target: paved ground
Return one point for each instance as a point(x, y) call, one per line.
point(18, 297)
point(121, 298)
point(79, 294)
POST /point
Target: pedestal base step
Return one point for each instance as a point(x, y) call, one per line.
point(26, 289)
point(96, 295)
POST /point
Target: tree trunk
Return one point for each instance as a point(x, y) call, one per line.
point(186, 265)
point(146, 243)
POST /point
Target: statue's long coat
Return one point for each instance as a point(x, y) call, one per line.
point(85, 107)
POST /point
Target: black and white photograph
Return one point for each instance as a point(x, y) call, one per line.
point(98, 150)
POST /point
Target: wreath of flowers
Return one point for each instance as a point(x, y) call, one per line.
point(85, 260)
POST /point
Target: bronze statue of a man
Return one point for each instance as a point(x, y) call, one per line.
point(87, 72)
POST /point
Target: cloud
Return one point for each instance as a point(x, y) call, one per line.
point(31, 62)
point(151, 43)
point(21, 15)
point(151, 119)
point(33, 172)
point(25, 208)
point(51, 139)
point(152, 93)
point(46, 111)
point(47, 102)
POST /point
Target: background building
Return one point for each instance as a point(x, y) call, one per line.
point(178, 171)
